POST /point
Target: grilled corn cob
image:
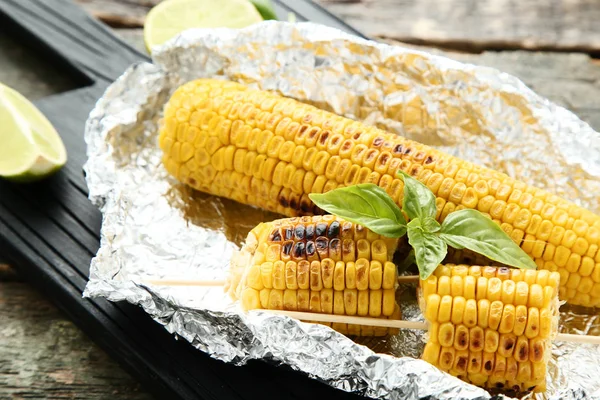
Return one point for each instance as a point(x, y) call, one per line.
point(319, 264)
point(492, 326)
point(269, 151)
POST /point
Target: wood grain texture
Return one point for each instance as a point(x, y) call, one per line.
point(44, 356)
point(477, 25)
point(467, 25)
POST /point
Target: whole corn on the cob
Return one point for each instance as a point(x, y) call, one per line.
point(492, 326)
point(319, 264)
point(269, 151)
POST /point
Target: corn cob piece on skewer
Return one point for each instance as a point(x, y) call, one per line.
point(492, 327)
point(269, 151)
point(319, 264)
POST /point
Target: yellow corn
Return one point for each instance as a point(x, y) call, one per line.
point(313, 264)
point(502, 339)
point(269, 151)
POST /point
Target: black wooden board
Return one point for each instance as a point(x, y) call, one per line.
point(50, 231)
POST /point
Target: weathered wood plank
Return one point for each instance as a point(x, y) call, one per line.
point(477, 25)
point(44, 356)
point(466, 25)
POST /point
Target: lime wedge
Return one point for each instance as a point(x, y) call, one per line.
point(171, 17)
point(30, 147)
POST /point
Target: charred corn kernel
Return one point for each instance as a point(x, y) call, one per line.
point(225, 126)
point(537, 349)
point(488, 362)
point(476, 339)
point(461, 362)
point(499, 370)
point(507, 344)
point(533, 323)
point(521, 352)
point(461, 338)
point(446, 359)
point(277, 273)
point(446, 334)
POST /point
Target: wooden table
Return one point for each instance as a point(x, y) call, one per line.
point(43, 355)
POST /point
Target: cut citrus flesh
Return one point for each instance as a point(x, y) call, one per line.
point(30, 147)
point(171, 17)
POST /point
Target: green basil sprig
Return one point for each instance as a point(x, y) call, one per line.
point(369, 205)
point(366, 204)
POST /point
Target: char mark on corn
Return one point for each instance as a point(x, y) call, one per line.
point(319, 264)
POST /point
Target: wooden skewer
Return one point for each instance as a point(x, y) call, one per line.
point(347, 319)
point(401, 324)
point(353, 320)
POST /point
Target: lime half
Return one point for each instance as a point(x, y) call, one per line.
point(171, 17)
point(30, 147)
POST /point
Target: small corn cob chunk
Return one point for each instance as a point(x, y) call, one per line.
point(320, 264)
point(496, 332)
point(269, 151)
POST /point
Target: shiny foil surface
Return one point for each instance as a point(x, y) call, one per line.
point(155, 228)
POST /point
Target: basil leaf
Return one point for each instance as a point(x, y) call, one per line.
point(472, 230)
point(429, 248)
point(418, 201)
point(430, 225)
point(366, 204)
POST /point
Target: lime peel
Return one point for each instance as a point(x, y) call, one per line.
point(171, 17)
point(31, 148)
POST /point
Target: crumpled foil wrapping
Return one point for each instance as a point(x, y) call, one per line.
point(154, 227)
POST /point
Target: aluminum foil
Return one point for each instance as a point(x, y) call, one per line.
point(155, 228)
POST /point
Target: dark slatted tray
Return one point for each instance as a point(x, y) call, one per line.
point(50, 230)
